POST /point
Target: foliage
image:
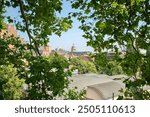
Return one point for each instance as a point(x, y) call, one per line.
point(90, 67)
point(45, 77)
point(119, 26)
point(11, 85)
point(107, 25)
point(38, 19)
point(48, 77)
point(106, 66)
point(2, 11)
point(83, 66)
point(77, 64)
point(73, 94)
point(112, 68)
point(13, 51)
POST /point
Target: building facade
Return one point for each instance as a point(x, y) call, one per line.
point(45, 50)
point(9, 31)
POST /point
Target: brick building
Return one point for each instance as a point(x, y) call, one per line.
point(9, 30)
point(45, 50)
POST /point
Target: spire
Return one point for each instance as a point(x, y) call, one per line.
point(73, 48)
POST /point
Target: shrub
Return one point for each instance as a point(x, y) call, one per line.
point(73, 94)
point(112, 68)
point(45, 78)
point(48, 77)
point(83, 66)
point(11, 86)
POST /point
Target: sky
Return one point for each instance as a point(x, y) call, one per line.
point(67, 39)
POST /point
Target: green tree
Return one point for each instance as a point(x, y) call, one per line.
point(73, 94)
point(39, 20)
point(119, 25)
point(83, 66)
point(112, 68)
point(90, 66)
point(48, 77)
point(11, 86)
point(78, 64)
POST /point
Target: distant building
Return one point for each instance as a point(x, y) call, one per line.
point(73, 48)
point(86, 57)
point(72, 53)
point(45, 50)
point(9, 30)
point(111, 54)
point(60, 51)
point(83, 54)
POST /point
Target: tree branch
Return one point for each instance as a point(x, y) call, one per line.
point(27, 29)
point(129, 22)
point(1, 5)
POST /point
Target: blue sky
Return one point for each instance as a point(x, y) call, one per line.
point(73, 36)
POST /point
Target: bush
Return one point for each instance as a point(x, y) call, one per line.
point(45, 78)
point(83, 66)
point(91, 67)
point(112, 68)
point(73, 94)
point(48, 77)
point(11, 86)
